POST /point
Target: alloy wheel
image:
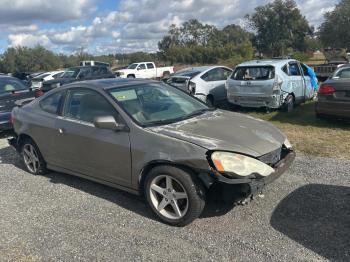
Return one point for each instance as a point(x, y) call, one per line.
point(169, 197)
point(31, 158)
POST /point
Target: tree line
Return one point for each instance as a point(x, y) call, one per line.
point(275, 29)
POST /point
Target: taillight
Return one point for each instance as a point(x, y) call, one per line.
point(11, 120)
point(326, 89)
point(38, 93)
point(192, 88)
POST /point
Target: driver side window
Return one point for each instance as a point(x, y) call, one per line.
point(141, 67)
point(85, 105)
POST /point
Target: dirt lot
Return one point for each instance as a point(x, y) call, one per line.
point(304, 216)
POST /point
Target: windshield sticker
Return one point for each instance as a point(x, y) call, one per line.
point(124, 95)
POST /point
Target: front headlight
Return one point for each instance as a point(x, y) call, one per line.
point(287, 144)
point(239, 164)
point(55, 85)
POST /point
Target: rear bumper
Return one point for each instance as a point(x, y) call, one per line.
point(256, 185)
point(336, 109)
point(272, 101)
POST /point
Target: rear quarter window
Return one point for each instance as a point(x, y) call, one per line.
point(52, 103)
point(253, 73)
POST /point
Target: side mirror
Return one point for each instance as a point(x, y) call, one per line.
point(108, 122)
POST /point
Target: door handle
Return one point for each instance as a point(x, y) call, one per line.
point(61, 130)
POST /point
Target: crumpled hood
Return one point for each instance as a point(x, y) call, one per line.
point(229, 131)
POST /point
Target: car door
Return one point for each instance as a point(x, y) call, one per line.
point(309, 90)
point(83, 148)
point(296, 81)
point(141, 71)
point(215, 80)
point(151, 70)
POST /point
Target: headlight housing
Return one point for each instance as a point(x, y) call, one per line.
point(287, 144)
point(239, 164)
point(55, 85)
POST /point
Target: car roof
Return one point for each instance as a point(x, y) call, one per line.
point(8, 76)
point(198, 68)
point(109, 83)
point(264, 62)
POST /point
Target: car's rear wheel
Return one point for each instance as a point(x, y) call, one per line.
point(32, 158)
point(174, 195)
point(290, 103)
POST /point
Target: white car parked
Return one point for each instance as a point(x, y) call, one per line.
point(37, 81)
point(206, 82)
point(147, 70)
point(270, 83)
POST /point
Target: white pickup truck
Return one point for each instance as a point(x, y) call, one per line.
point(145, 70)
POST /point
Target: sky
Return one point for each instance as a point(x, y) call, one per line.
point(121, 26)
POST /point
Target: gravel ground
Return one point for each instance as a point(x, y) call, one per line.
point(304, 216)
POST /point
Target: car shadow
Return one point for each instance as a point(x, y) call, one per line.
point(302, 115)
point(317, 217)
point(220, 200)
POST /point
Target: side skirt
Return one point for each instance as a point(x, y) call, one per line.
point(69, 172)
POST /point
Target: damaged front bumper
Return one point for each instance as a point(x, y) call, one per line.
point(257, 184)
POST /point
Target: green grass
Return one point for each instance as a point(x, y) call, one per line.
point(308, 134)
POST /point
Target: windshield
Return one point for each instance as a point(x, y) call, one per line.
point(132, 66)
point(157, 103)
point(187, 73)
point(10, 85)
point(70, 73)
point(343, 73)
point(251, 73)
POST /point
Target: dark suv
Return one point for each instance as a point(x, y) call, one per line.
point(12, 93)
point(78, 73)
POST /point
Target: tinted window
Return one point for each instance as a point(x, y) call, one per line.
point(52, 103)
point(58, 75)
point(85, 72)
point(294, 69)
point(103, 70)
point(285, 69)
point(86, 105)
point(71, 72)
point(141, 67)
point(132, 66)
point(150, 66)
point(10, 85)
point(251, 73)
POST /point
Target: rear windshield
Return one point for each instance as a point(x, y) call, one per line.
point(187, 73)
point(343, 73)
point(10, 85)
point(251, 73)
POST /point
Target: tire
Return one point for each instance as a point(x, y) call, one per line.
point(209, 101)
point(32, 158)
point(186, 195)
point(290, 103)
point(130, 76)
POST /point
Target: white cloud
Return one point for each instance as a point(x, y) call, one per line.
point(140, 24)
point(29, 40)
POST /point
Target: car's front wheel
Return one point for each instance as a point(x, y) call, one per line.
point(174, 195)
point(32, 158)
